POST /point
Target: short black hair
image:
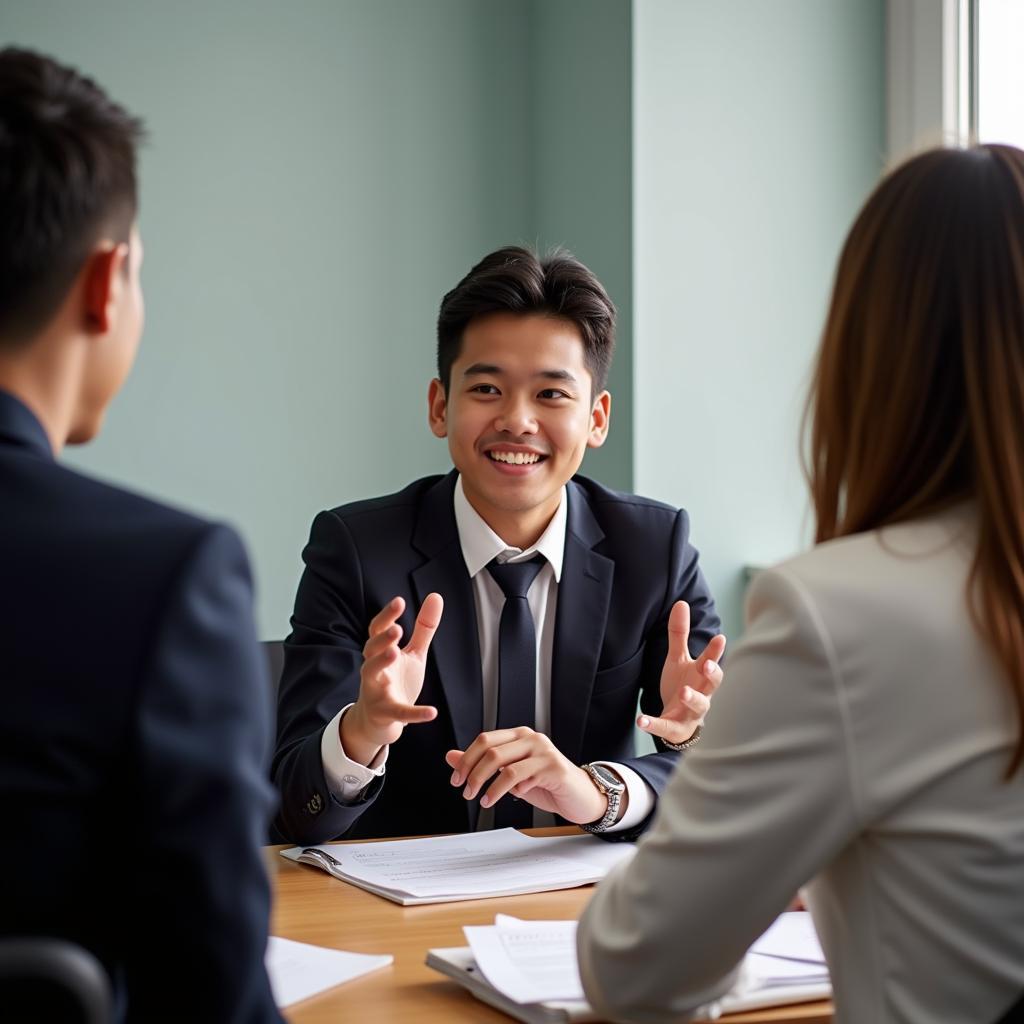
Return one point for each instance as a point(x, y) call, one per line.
point(516, 280)
point(67, 176)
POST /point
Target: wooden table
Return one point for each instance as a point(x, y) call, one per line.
point(311, 906)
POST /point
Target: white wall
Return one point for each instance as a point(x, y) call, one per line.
point(758, 132)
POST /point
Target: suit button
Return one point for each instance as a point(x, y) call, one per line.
point(315, 804)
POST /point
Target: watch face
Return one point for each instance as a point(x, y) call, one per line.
point(606, 777)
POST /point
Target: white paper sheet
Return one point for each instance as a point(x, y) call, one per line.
point(792, 936)
point(477, 863)
point(298, 970)
point(535, 962)
point(767, 971)
point(528, 961)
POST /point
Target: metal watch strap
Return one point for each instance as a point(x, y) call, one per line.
point(686, 744)
point(614, 800)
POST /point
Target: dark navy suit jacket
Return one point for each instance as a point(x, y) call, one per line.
point(133, 738)
point(627, 561)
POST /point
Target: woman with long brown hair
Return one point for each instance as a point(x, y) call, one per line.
point(868, 738)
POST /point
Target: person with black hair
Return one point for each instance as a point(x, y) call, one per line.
point(136, 719)
point(539, 605)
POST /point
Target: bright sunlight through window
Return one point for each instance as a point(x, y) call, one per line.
point(1001, 71)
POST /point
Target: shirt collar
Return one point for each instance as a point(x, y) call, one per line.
point(481, 545)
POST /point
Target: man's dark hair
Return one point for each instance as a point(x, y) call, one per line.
point(67, 177)
point(515, 280)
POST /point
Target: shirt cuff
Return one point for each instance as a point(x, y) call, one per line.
point(346, 779)
point(642, 797)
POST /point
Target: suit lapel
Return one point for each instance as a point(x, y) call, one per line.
point(456, 645)
point(584, 596)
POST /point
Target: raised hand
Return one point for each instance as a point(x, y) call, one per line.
point(687, 684)
point(529, 766)
point(390, 680)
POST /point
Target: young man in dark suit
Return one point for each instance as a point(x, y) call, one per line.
point(556, 603)
point(136, 718)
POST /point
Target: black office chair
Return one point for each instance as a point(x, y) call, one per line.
point(274, 650)
point(1014, 1014)
point(52, 980)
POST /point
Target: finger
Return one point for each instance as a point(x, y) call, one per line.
point(373, 667)
point(388, 614)
point(521, 776)
point(713, 652)
point(710, 678)
point(497, 759)
point(697, 703)
point(665, 728)
point(453, 759)
point(427, 622)
point(386, 638)
point(409, 714)
point(678, 632)
point(484, 742)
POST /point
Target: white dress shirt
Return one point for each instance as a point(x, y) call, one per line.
point(480, 545)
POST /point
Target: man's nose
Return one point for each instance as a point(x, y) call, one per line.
point(516, 416)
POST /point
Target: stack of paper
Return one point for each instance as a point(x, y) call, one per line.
point(525, 968)
point(503, 862)
point(529, 969)
point(528, 961)
point(789, 953)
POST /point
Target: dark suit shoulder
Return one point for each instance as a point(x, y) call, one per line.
point(605, 501)
point(118, 547)
point(130, 509)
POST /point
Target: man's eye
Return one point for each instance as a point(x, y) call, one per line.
point(553, 393)
point(484, 389)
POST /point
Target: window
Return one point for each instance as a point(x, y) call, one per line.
point(998, 71)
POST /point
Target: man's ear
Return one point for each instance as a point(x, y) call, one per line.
point(105, 273)
point(437, 409)
point(599, 417)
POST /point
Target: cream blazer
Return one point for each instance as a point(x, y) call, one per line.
point(858, 743)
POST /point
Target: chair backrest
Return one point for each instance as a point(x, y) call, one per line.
point(53, 980)
point(274, 650)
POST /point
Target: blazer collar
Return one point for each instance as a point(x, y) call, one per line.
point(455, 650)
point(584, 597)
point(19, 426)
point(435, 529)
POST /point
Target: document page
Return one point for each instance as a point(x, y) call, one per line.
point(528, 961)
point(793, 937)
point(788, 953)
point(474, 864)
point(298, 970)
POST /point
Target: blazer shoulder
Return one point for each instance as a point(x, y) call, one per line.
point(128, 522)
point(612, 508)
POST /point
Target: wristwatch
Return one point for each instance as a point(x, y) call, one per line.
point(686, 744)
point(609, 784)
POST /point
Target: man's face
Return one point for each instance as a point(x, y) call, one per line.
point(519, 417)
point(112, 352)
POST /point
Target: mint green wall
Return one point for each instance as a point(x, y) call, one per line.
point(758, 131)
point(582, 117)
point(319, 174)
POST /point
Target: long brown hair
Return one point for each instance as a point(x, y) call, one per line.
point(918, 396)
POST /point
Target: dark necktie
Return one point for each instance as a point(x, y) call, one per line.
point(517, 669)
